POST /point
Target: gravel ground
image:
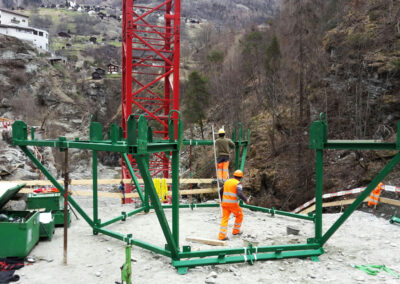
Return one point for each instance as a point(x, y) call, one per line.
point(363, 239)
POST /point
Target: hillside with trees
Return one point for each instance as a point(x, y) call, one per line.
point(337, 57)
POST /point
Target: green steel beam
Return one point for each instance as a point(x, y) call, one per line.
point(155, 201)
point(278, 212)
point(133, 176)
point(48, 175)
point(175, 196)
point(121, 217)
point(243, 160)
point(151, 247)
point(373, 184)
point(191, 205)
point(95, 197)
point(319, 167)
point(249, 258)
point(146, 203)
point(112, 234)
point(135, 242)
point(358, 145)
point(97, 146)
point(227, 251)
point(133, 212)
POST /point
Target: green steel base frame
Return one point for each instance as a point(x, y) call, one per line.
point(139, 143)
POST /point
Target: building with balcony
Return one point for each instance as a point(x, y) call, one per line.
point(16, 25)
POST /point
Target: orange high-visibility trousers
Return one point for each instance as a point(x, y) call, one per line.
point(227, 209)
point(223, 170)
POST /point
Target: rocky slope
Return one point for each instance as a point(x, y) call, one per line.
point(50, 98)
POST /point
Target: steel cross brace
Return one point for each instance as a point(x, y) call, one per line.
point(319, 142)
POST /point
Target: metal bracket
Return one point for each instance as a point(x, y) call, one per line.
point(314, 258)
point(221, 258)
point(182, 270)
point(272, 211)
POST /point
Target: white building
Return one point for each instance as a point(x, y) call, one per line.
point(16, 25)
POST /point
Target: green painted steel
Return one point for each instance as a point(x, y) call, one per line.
point(248, 258)
point(175, 196)
point(359, 145)
point(126, 270)
point(133, 212)
point(122, 217)
point(151, 247)
point(155, 201)
point(394, 219)
point(373, 184)
point(59, 217)
point(278, 212)
point(48, 201)
point(48, 175)
point(319, 142)
point(95, 197)
point(18, 239)
point(133, 176)
point(319, 164)
point(112, 234)
point(191, 205)
point(9, 193)
point(242, 250)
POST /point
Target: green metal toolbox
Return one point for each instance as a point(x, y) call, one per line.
point(48, 201)
point(19, 230)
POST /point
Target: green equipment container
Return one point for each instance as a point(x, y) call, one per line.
point(19, 230)
point(46, 228)
point(59, 217)
point(48, 201)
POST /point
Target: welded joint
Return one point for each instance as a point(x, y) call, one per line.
point(128, 239)
point(221, 258)
point(124, 216)
point(272, 211)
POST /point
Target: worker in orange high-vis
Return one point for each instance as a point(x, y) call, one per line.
point(223, 146)
point(375, 194)
point(230, 192)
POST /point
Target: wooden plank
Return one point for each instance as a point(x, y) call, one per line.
point(103, 181)
point(210, 242)
point(389, 201)
point(349, 201)
point(128, 195)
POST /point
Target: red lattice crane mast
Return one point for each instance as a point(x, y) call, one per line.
point(150, 69)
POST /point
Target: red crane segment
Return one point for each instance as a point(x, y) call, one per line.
point(150, 69)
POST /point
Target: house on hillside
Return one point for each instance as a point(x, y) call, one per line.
point(112, 69)
point(16, 25)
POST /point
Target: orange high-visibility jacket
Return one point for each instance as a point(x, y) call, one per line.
point(230, 191)
point(374, 196)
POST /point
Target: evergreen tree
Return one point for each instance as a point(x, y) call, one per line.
point(196, 100)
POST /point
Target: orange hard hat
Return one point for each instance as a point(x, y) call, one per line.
point(238, 173)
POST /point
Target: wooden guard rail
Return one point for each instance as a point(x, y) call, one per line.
point(349, 201)
point(89, 182)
